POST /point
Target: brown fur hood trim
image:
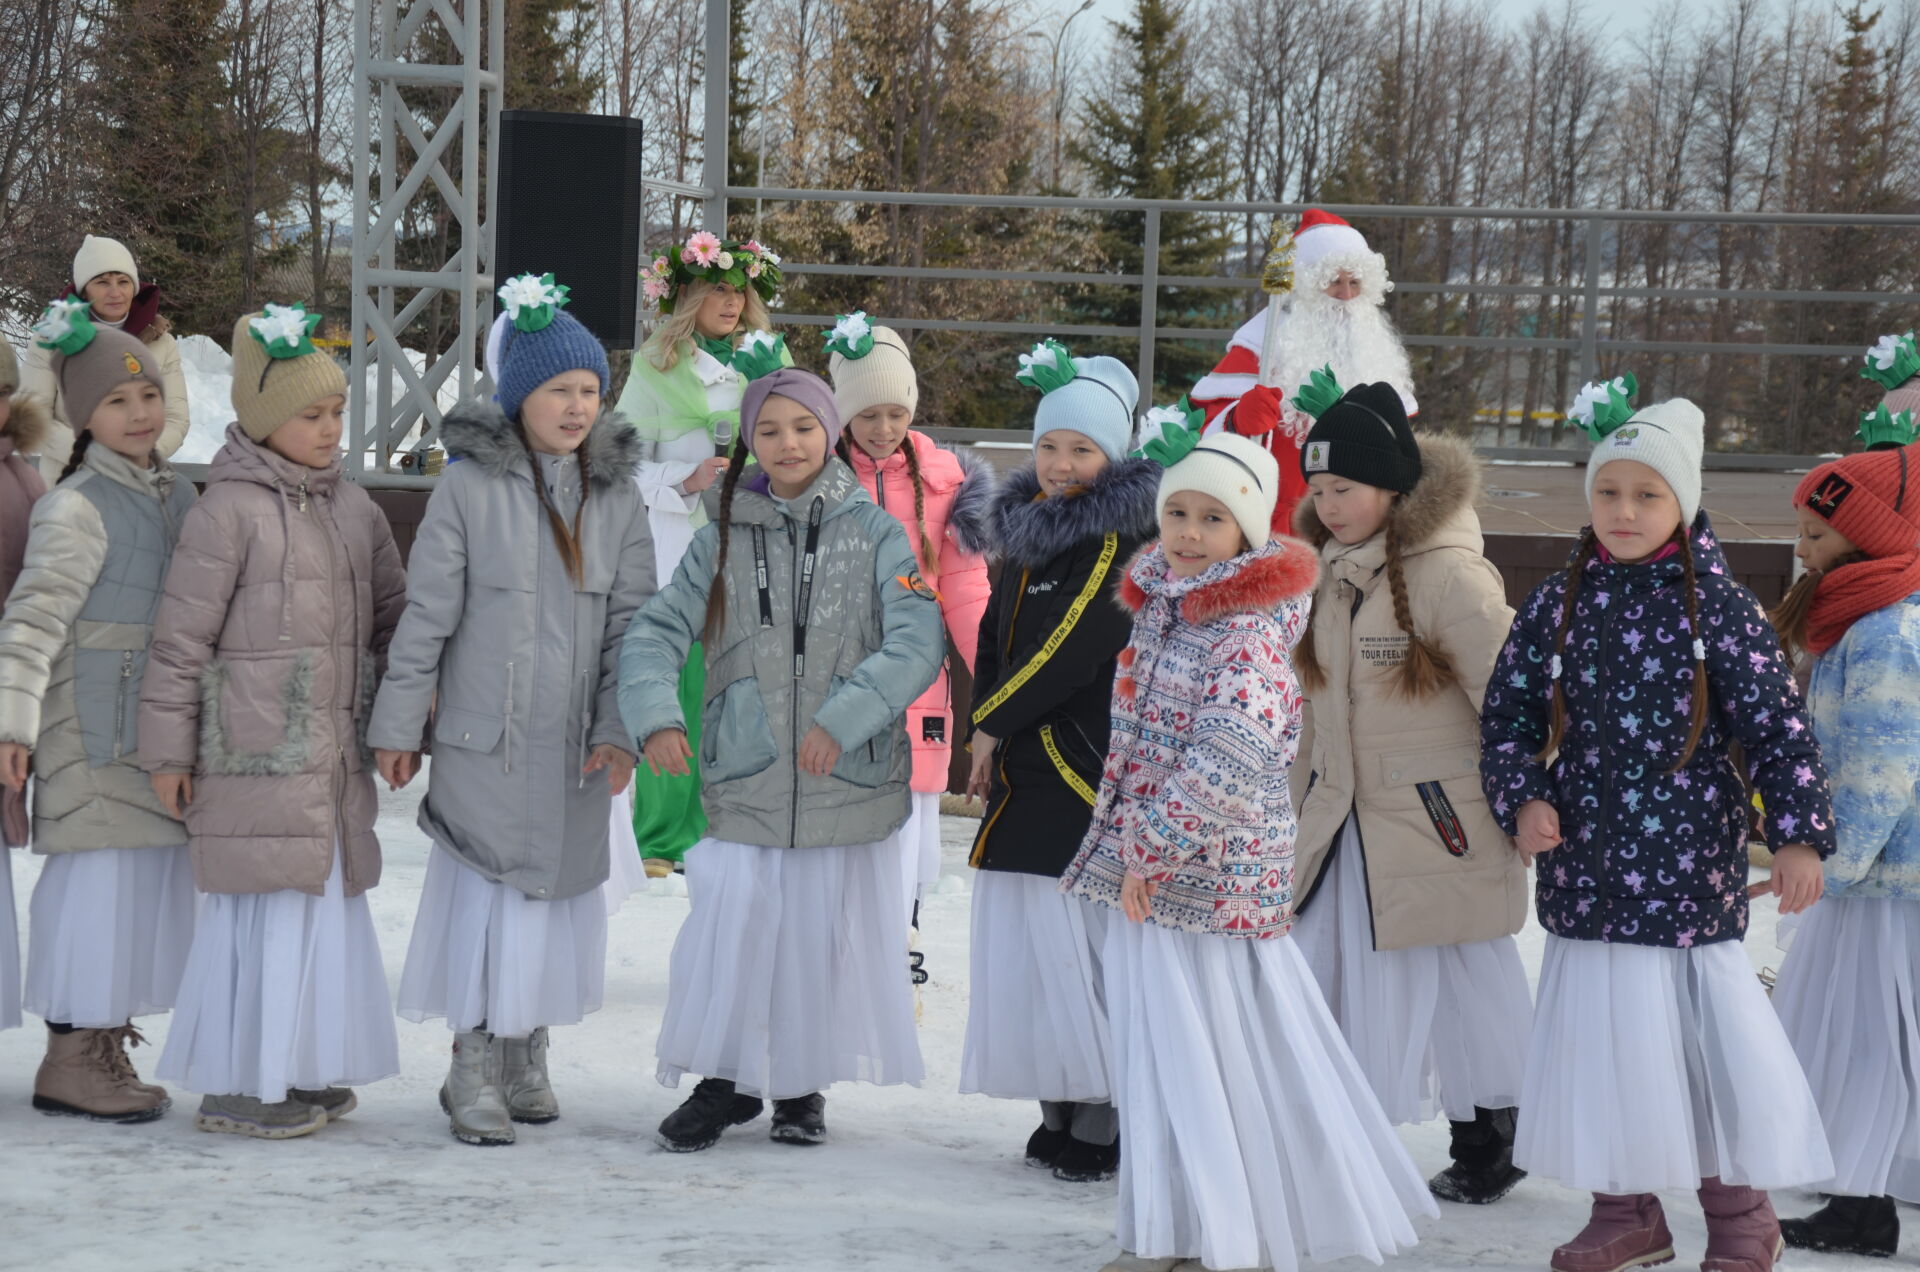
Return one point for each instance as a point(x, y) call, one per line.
point(28, 420)
point(1449, 481)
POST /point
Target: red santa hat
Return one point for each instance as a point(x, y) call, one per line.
point(1324, 246)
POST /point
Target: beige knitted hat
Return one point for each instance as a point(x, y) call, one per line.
point(277, 373)
point(881, 376)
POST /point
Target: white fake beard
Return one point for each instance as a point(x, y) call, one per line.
point(1355, 337)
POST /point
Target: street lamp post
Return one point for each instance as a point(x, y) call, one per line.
point(1053, 80)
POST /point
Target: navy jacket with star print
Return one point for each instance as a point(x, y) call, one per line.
point(1651, 857)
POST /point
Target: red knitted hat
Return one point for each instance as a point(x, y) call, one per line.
point(1872, 498)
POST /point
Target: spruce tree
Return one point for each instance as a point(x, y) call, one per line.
point(1151, 135)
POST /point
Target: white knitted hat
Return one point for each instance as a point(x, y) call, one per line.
point(1239, 472)
point(99, 256)
point(883, 376)
point(1668, 437)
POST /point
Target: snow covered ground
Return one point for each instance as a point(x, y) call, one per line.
point(911, 1179)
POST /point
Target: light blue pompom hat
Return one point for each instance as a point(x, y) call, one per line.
point(1093, 396)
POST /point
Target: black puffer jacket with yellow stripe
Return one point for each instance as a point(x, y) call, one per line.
point(1043, 679)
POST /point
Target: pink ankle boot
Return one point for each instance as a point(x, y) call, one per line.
point(1743, 1235)
point(1627, 1231)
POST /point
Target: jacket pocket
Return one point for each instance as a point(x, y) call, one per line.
point(240, 706)
point(468, 730)
point(736, 738)
point(870, 763)
point(109, 661)
point(1059, 743)
point(1443, 781)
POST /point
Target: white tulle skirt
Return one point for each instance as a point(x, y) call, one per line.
point(282, 989)
point(486, 953)
point(1438, 1028)
point(9, 947)
point(790, 971)
point(108, 934)
point(626, 873)
point(1036, 1013)
point(1249, 1137)
point(919, 841)
point(1846, 997)
point(1653, 1068)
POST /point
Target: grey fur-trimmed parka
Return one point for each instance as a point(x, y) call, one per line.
point(284, 591)
point(517, 666)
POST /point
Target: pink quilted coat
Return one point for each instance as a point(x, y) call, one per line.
point(957, 498)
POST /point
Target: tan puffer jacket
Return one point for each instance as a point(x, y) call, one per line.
point(285, 590)
point(73, 646)
point(1409, 769)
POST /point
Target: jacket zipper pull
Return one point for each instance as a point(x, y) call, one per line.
point(303, 494)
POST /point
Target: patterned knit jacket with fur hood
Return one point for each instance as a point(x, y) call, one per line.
point(1206, 720)
point(282, 598)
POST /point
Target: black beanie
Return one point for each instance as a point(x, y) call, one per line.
point(1364, 437)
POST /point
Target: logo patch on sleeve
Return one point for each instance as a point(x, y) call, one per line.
point(1317, 455)
point(917, 585)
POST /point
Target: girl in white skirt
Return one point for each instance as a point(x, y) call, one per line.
point(1253, 1140)
point(943, 500)
point(1849, 991)
point(789, 972)
point(1409, 890)
point(1065, 529)
point(532, 558)
point(1605, 749)
point(113, 912)
point(283, 595)
point(23, 423)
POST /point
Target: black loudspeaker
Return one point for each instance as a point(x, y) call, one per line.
point(569, 205)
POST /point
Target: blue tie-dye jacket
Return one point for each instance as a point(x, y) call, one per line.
point(1651, 857)
point(1865, 701)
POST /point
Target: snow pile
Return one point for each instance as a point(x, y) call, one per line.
point(209, 372)
point(909, 1179)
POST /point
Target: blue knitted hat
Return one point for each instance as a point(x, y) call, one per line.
point(533, 340)
point(1092, 396)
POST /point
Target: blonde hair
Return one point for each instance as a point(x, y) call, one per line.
point(676, 331)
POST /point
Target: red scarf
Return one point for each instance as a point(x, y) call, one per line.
point(1853, 591)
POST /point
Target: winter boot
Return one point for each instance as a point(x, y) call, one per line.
point(86, 1074)
point(1083, 1163)
point(1045, 1145)
point(472, 1095)
point(802, 1120)
point(1742, 1233)
point(711, 1109)
point(335, 1102)
point(1483, 1171)
point(1134, 1263)
point(1847, 1225)
point(1625, 1231)
point(244, 1115)
point(529, 1094)
point(124, 1037)
point(657, 867)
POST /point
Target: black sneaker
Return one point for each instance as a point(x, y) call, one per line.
point(1847, 1225)
point(1045, 1145)
point(1083, 1163)
point(801, 1120)
point(711, 1109)
point(1483, 1171)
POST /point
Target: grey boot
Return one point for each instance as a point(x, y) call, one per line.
point(244, 1115)
point(336, 1102)
point(529, 1094)
point(472, 1094)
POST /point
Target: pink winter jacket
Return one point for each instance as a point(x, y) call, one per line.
point(282, 598)
point(956, 499)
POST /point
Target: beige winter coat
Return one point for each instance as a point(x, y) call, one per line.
point(73, 648)
point(37, 378)
point(285, 590)
point(1409, 769)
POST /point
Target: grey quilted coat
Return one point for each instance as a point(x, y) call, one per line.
point(522, 661)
